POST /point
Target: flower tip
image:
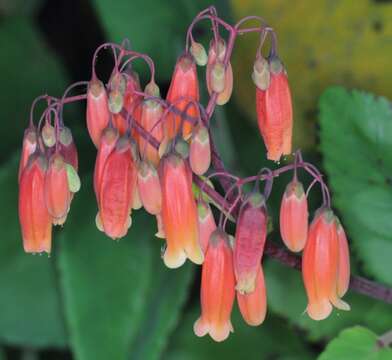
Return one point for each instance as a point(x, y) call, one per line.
point(174, 259)
point(319, 310)
point(200, 328)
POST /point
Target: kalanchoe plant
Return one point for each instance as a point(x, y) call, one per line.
point(151, 151)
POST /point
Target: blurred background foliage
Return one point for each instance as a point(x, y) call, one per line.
point(99, 299)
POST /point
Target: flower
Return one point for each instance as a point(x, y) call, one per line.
point(206, 222)
point(200, 150)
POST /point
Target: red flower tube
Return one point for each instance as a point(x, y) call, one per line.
point(200, 150)
point(149, 188)
point(250, 236)
point(217, 289)
point(29, 146)
point(253, 306)
point(294, 217)
point(207, 224)
point(179, 213)
point(35, 220)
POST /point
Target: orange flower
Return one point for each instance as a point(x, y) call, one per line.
point(218, 78)
point(97, 113)
point(28, 148)
point(250, 236)
point(253, 306)
point(107, 144)
point(207, 224)
point(116, 190)
point(200, 150)
point(57, 194)
point(320, 265)
point(294, 217)
point(273, 107)
point(151, 115)
point(184, 84)
point(217, 289)
point(179, 213)
point(149, 188)
point(35, 220)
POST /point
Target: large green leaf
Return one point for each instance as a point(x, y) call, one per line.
point(104, 282)
point(287, 297)
point(30, 313)
point(168, 290)
point(356, 141)
point(263, 342)
point(157, 28)
point(356, 343)
point(28, 69)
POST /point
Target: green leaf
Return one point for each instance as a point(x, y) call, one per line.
point(153, 27)
point(356, 343)
point(262, 342)
point(30, 312)
point(168, 290)
point(284, 283)
point(28, 70)
point(356, 141)
point(104, 282)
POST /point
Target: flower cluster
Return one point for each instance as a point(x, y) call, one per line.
point(151, 150)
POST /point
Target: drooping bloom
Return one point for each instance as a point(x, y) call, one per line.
point(273, 107)
point(151, 122)
point(35, 220)
point(116, 190)
point(200, 150)
point(253, 306)
point(57, 194)
point(149, 188)
point(217, 289)
point(250, 236)
point(179, 213)
point(219, 78)
point(184, 84)
point(28, 148)
point(320, 266)
point(343, 281)
point(107, 144)
point(97, 113)
point(294, 217)
point(207, 224)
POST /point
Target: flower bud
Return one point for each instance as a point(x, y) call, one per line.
point(28, 148)
point(182, 148)
point(184, 84)
point(217, 77)
point(48, 135)
point(207, 224)
point(179, 213)
point(68, 148)
point(115, 101)
point(294, 217)
point(199, 53)
point(253, 306)
point(217, 289)
point(57, 193)
point(320, 266)
point(35, 220)
point(116, 190)
point(274, 111)
point(151, 122)
point(250, 236)
point(97, 113)
point(149, 188)
point(200, 150)
point(261, 74)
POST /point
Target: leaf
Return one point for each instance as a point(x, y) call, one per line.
point(283, 284)
point(339, 44)
point(28, 70)
point(356, 343)
point(263, 342)
point(356, 133)
point(30, 312)
point(167, 293)
point(105, 283)
point(153, 27)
